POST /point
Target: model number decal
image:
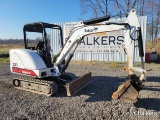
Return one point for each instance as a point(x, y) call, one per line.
point(15, 65)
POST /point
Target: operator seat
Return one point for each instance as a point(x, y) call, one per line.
point(40, 49)
point(40, 45)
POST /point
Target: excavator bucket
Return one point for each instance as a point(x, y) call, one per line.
point(125, 92)
point(78, 84)
point(129, 90)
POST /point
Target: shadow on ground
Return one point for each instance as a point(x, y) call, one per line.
point(100, 89)
point(148, 103)
point(151, 103)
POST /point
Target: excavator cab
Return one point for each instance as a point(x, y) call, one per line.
point(37, 71)
point(41, 44)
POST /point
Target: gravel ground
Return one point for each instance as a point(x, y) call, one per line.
point(91, 103)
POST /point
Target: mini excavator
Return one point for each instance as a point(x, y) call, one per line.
point(40, 73)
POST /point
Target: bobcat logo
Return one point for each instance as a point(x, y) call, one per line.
point(91, 30)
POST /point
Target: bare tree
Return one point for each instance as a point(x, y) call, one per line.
point(95, 7)
point(151, 8)
point(101, 7)
point(141, 7)
point(152, 11)
point(157, 22)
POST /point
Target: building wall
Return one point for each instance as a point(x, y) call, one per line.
point(92, 52)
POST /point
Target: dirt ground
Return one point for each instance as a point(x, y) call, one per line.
point(91, 103)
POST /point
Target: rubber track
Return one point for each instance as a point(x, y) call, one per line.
point(40, 82)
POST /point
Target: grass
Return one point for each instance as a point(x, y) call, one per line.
point(4, 60)
point(119, 64)
point(5, 50)
point(114, 64)
point(137, 64)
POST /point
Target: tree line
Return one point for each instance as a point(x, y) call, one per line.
point(18, 41)
point(11, 41)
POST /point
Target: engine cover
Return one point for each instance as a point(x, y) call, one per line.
point(27, 62)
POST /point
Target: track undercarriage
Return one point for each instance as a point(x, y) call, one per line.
point(41, 86)
point(49, 85)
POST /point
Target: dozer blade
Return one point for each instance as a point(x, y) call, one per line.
point(78, 84)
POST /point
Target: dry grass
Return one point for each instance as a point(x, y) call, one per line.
point(4, 60)
point(153, 46)
point(6, 49)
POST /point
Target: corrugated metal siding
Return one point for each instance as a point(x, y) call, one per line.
point(104, 56)
point(55, 39)
point(116, 57)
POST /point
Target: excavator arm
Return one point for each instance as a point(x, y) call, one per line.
point(132, 32)
point(130, 26)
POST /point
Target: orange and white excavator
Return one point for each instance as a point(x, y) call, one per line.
point(42, 74)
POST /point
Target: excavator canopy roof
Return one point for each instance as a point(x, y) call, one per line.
point(38, 26)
